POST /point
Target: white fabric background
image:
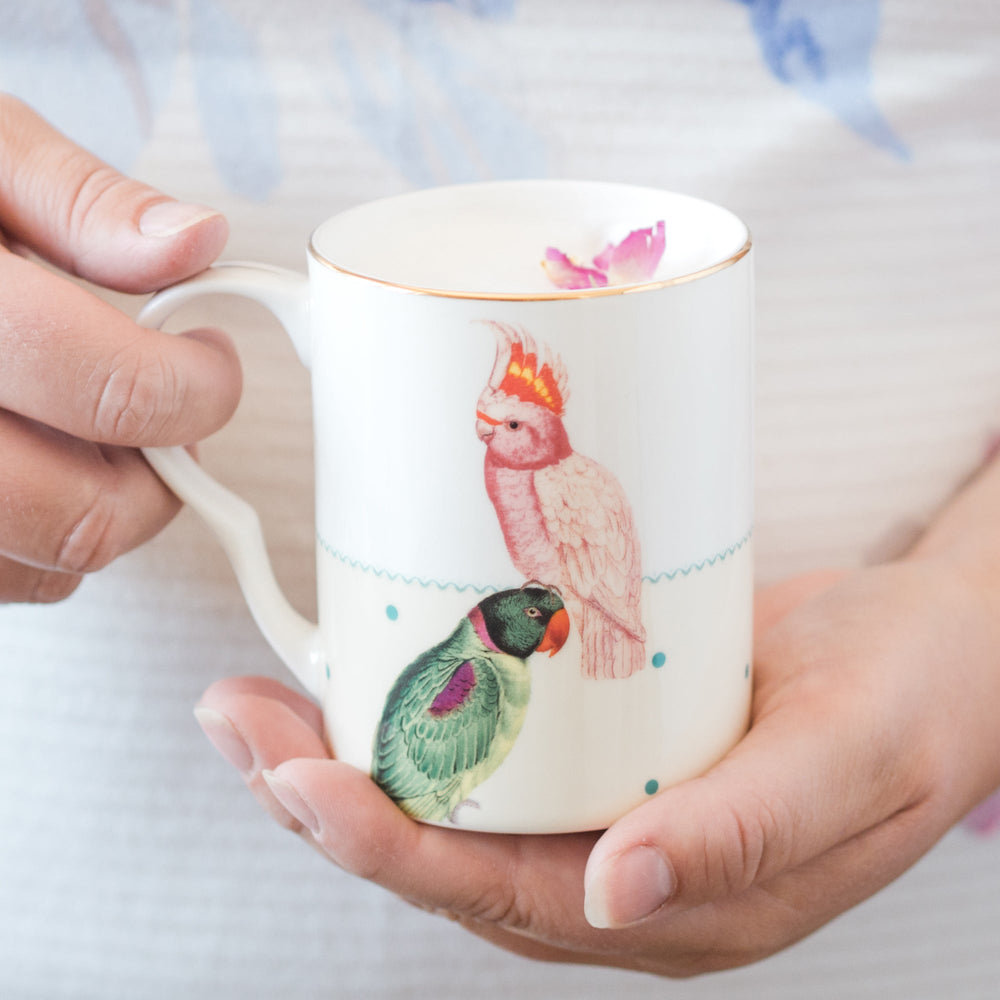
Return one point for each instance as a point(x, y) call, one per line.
point(132, 863)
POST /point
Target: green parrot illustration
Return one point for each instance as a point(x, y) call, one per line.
point(454, 713)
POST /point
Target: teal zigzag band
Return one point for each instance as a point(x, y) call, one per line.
point(490, 589)
point(704, 564)
point(400, 577)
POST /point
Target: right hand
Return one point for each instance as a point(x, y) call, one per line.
point(82, 386)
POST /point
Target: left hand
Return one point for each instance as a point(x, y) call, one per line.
point(874, 730)
point(82, 386)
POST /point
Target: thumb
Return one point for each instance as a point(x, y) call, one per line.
point(86, 218)
point(764, 810)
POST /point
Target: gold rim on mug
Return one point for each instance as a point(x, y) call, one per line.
point(553, 296)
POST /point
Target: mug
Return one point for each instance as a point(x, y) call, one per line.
point(533, 474)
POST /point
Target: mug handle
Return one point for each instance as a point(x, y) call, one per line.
point(234, 522)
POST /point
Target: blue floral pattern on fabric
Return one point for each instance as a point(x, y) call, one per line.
point(113, 71)
point(824, 50)
point(421, 103)
point(488, 9)
point(418, 100)
point(236, 101)
point(438, 123)
point(116, 63)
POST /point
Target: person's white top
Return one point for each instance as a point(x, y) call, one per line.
point(860, 140)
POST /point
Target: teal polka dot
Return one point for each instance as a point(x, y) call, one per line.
point(652, 786)
point(659, 659)
point(746, 672)
point(392, 612)
point(328, 671)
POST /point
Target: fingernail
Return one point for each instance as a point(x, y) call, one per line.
point(628, 888)
point(167, 218)
point(288, 796)
point(224, 736)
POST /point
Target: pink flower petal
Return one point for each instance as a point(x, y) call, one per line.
point(629, 262)
point(635, 258)
point(564, 273)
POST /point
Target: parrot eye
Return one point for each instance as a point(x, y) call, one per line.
point(513, 424)
point(533, 612)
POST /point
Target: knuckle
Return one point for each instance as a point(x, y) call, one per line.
point(498, 905)
point(139, 389)
point(494, 897)
point(503, 906)
point(503, 900)
point(89, 543)
point(748, 847)
point(97, 183)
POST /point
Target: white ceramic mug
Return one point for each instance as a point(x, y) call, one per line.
point(533, 503)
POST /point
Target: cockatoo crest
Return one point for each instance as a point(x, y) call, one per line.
point(518, 371)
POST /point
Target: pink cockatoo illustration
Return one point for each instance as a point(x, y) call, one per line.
point(565, 519)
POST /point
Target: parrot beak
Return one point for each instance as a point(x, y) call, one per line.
point(485, 425)
point(555, 634)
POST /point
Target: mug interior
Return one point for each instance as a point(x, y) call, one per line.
point(490, 239)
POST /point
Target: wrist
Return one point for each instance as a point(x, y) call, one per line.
point(964, 538)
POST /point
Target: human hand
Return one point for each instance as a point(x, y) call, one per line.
point(874, 731)
point(81, 385)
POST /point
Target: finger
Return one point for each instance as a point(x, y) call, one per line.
point(471, 878)
point(88, 219)
point(255, 723)
point(476, 877)
point(524, 893)
point(266, 726)
point(762, 811)
point(771, 916)
point(829, 755)
point(70, 505)
point(224, 694)
point(21, 582)
point(805, 898)
point(75, 363)
point(520, 892)
point(745, 928)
